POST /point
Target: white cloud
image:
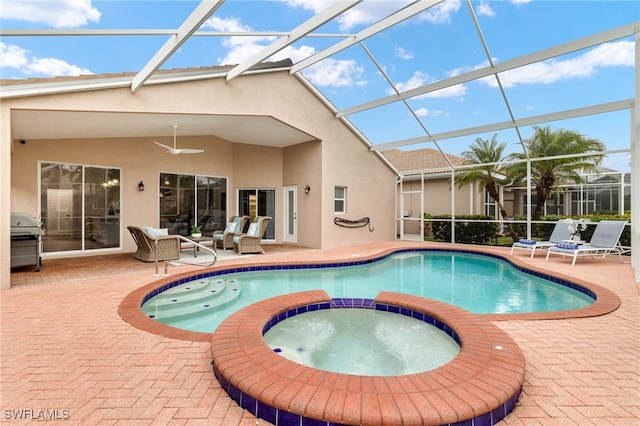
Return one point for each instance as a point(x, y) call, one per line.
point(54, 67)
point(313, 5)
point(619, 162)
point(243, 47)
point(424, 112)
point(403, 53)
point(419, 79)
point(362, 14)
point(12, 56)
point(330, 72)
point(335, 73)
point(484, 9)
point(619, 53)
point(228, 25)
point(56, 13)
point(441, 14)
point(369, 12)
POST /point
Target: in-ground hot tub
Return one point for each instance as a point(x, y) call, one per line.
point(482, 383)
point(364, 341)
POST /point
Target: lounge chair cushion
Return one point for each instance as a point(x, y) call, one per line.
point(525, 241)
point(568, 246)
point(253, 229)
point(155, 233)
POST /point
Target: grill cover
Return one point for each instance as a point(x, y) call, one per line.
point(24, 224)
point(26, 240)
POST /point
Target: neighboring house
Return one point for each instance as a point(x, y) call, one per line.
point(425, 186)
point(79, 154)
point(607, 190)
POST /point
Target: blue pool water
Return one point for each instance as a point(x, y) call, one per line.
point(480, 284)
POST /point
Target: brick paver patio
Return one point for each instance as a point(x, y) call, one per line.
point(67, 355)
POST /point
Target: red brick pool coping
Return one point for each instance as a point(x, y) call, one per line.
point(482, 382)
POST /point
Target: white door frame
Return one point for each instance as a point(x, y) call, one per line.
point(290, 214)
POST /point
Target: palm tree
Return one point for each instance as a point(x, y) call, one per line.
point(487, 155)
point(546, 175)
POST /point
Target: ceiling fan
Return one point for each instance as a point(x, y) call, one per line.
point(175, 150)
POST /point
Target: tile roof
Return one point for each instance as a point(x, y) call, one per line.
point(285, 63)
point(427, 160)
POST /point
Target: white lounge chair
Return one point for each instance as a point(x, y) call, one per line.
point(561, 232)
point(605, 240)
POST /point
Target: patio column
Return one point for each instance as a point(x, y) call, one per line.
point(5, 202)
point(635, 167)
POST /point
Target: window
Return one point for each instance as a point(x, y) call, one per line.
point(583, 201)
point(340, 200)
point(79, 207)
point(555, 204)
point(186, 200)
point(259, 202)
point(489, 205)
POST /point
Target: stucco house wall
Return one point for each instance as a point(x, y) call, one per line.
point(338, 157)
point(437, 200)
point(302, 168)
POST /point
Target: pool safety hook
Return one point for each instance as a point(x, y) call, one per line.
point(353, 223)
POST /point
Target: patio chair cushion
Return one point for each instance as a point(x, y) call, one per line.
point(231, 227)
point(253, 229)
point(525, 241)
point(154, 232)
point(567, 246)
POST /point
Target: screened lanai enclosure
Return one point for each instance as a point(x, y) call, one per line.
point(404, 75)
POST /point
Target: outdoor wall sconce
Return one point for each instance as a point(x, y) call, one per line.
point(307, 189)
point(141, 186)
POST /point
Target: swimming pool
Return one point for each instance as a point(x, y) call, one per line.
point(479, 283)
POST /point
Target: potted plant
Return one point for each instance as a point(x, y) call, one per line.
point(427, 224)
point(196, 231)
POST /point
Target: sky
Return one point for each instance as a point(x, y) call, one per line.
point(439, 43)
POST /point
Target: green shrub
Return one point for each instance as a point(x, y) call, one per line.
point(543, 231)
point(625, 238)
point(466, 232)
point(480, 233)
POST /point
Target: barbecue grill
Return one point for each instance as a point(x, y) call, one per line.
point(26, 240)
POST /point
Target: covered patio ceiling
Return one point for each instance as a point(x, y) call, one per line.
point(246, 129)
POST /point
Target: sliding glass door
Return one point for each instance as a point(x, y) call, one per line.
point(79, 207)
point(187, 200)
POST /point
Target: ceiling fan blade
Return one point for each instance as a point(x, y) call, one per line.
point(174, 150)
point(190, 151)
point(168, 148)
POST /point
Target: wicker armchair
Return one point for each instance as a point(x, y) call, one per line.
point(225, 237)
point(250, 242)
point(150, 248)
